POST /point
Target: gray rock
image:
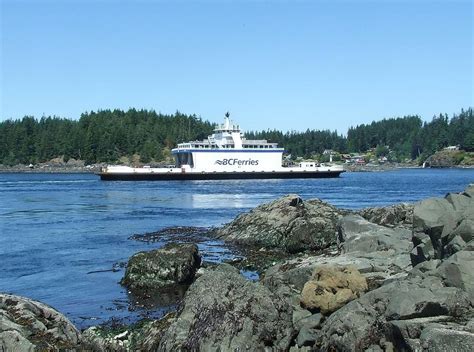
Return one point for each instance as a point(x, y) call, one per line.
point(366, 320)
point(299, 315)
point(465, 230)
point(413, 301)
point(374, 348)
point(288, 223)
point(312, 322)
point(455, 245)
point(406, 333)
point(288, 278)
point(171, 265)
point(422, 252)
point(356, 234)
point(391, 216)
point(94, 339)
point(300, 349)
point(442, 226)
point(12, 340)
point(469, 191)
point(307, 337)
point(224, 312)
point(27, 325)
point(425, 267)
point(149, 337)
point(458, 271)
point(442, 339)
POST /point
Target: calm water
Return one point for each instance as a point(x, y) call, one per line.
point(60, 234)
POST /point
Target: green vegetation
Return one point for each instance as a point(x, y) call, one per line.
point(112, 135)
point(410, 138)
point(102, 136)
point(307, 144)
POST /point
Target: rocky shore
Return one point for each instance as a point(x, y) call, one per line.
point(379, 279)
point(57, 165)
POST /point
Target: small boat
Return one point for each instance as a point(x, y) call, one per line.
point(226, 154)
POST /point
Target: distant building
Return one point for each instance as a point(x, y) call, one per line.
point(355, 159)
point(346, 158)
point(452, 147)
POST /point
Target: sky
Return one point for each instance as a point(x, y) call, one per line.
point(286, 65)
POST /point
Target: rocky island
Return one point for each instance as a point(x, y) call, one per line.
point(381, 279)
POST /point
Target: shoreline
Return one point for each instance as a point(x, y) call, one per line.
point(373, 253)
point(94, 169)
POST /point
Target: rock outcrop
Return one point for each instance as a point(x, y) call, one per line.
point(443, 226)
point(450, 158)
point(28, 325)
point(382, 285)
point(171, 265)
point(406, 315)
point(288, 223)
point(357, 235)
point(332, 287)
point(391, 216)
point(143, 336)
point(458, 271)
point(379, 253)
point(224, 312)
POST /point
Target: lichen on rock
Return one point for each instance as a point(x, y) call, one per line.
point(331, 287)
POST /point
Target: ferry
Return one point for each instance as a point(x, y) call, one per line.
point(226, 154)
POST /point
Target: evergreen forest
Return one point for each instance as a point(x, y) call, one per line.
point(108, 135)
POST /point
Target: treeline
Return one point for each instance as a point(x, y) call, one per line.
point(406, 137)
point(409, 137)
point(305, 144)
point(102, 136)
point(107, 135)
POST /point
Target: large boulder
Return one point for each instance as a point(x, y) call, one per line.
point(288, 223)
point(222, 311)
point(376, 317)
point(442, 226)
point(458, 271)
point(431, 334)
point(171, 265)
point(379, 257)
point(28, 325)
point(391, 216)
point(379, 253)
point(356, 234)
point(447, 337)
point(331, 287)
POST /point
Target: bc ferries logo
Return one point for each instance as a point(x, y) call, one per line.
point(236, 162)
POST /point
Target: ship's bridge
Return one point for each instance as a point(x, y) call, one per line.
point(226, 149)
point(227, 136)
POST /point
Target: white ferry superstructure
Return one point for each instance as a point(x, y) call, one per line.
point(226, 154)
